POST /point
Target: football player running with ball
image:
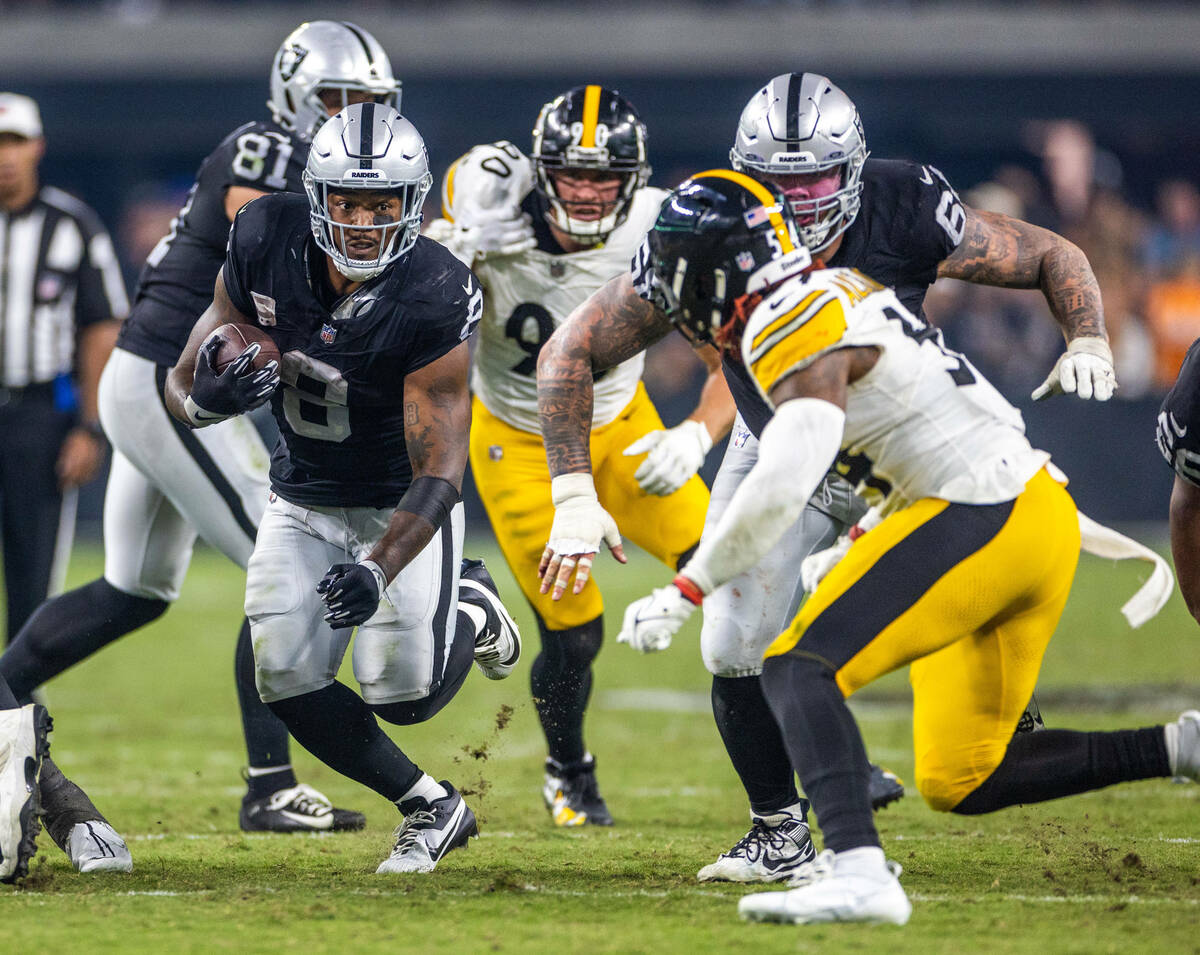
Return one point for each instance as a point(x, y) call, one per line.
point(364, 527)
point(542, 236)
point(963, 578)
point(168, 485)
point(902, 224)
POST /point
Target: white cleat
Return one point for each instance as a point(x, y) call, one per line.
point(23, 746)
point(497, 639)
point(95, 847)
point(429, 831)
point(1183, 746)
point(774, 849)
point(855, 886)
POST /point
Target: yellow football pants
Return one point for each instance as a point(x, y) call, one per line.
point(513, 480)
point(969, 595)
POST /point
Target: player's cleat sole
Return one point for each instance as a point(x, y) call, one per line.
point(429, 831)
point(24, 743)
point(885, 787)
point(297, 809)
point(829, 896)
point(96, 847)
point(498, 641)
point(773, 850)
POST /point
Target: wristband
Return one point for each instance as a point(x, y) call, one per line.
point(690, 591)
point(376, 572)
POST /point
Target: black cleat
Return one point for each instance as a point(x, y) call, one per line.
point(24, 744)
point(885, 786)
point(498, 641)
point(572, 795)
point(298, 809)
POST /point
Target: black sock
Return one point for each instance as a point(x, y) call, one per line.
point(266, 736)
point(70, 628)
point(561, 680)
point(338, 727)
point(1053, 763)
point(754, 743)
point(824, 746)
point(63, 803)
point(8, 699)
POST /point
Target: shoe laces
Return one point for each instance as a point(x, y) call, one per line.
point(301, 798)
point(761, 838)
point(408, 833)
point(819, 868)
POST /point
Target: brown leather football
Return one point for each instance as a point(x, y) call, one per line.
point(234, 339)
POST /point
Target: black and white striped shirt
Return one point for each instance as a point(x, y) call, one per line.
point(58, 274)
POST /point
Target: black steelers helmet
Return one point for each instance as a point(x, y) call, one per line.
point(589, 127)
point(719, 236)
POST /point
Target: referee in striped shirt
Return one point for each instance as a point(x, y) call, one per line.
point(61, 298)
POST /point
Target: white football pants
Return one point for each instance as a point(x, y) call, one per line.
point(399, 654)
point(169, 483)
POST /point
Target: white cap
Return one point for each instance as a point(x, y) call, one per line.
point(19, 114)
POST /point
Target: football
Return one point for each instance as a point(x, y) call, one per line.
point(234, 338)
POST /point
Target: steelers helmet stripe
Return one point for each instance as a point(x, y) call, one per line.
point(591, 116)
point(366, 142)
point(448, 189)
point(793, 106)
point(763, 195)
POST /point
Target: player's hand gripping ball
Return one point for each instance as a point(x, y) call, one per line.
point(237, 369)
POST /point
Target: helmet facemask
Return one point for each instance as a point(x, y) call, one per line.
point(589, 129)
point(367, 148)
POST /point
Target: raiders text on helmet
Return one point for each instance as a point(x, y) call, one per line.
point(589, 127)
point(326, 55)
point(367, 147)
point(802, 123)
point(719, 236)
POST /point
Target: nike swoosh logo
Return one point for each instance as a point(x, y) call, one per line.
point(467, 288)
point(319, 822)
point(205, 416)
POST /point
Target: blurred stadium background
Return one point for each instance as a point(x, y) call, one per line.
point(1077, 116)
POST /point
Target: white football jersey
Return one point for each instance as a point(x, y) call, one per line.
point(923, 422)
point(529, 294)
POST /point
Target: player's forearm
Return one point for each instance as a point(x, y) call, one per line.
point(796, 450)
point(565, 402)
point(716, 408)
point(1072, 292)
point(95, 345)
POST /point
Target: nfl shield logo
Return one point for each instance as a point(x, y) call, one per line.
point(745, 261)
point(328, 334)
point(557, 270)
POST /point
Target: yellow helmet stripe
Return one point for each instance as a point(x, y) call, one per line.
point(448, 189)
point(591, 116)
point(763, 195)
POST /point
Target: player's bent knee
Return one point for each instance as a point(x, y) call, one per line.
point(943, 785)
point(409, 712)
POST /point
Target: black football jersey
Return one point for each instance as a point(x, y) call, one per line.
point(909, 221)
point(1178, 432)
point(340, 407)
point(176, 284)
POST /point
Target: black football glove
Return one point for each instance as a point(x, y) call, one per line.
point(236, 390)
point(351, 592)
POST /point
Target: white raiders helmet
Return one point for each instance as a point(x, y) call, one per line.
point(326, 55)
point(367, 147)
point(802, 123)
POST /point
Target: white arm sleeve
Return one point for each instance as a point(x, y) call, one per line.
point(796, 449)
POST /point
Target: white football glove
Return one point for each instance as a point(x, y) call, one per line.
point(580, 526)
point(497, 232)
point(1084, 369)
point(651, 622)
point(816, 565)
point(490, 183)
point(675, 455)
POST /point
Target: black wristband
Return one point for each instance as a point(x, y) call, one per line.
point(431, 498)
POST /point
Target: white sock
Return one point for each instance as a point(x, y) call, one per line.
point(1171, 734)
point(427, 788)
point(865, 860)
point(779, 816)
point(477, 614)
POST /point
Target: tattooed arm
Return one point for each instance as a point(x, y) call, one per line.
point(437, 422)
point(1000, 250)
point(609, 328)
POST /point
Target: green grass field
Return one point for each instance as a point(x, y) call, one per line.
point(150, 728)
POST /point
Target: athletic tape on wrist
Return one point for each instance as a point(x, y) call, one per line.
point(431, 498)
